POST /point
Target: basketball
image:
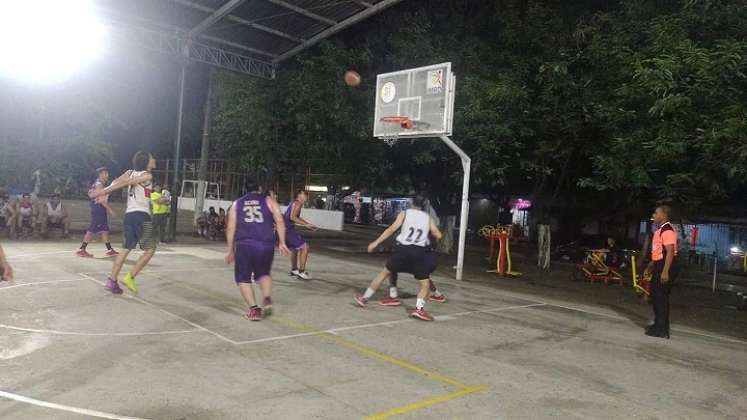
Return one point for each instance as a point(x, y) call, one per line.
point(352, 78)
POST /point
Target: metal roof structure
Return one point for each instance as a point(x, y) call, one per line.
point(247, 36)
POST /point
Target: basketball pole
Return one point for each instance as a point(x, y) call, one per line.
point(466, 167)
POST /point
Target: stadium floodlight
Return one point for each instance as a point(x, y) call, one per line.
point(48, 41)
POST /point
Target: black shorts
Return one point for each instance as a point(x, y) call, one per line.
point(412, 259)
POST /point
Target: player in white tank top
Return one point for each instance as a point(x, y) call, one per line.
point(415, 226)
point(138, 194)
point(137, 223)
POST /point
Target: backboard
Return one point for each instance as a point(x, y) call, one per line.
point(425, 95)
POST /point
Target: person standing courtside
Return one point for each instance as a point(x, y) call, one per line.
point(663, 270)
point(160, 206)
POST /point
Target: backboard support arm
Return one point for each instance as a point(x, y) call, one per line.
point(466, 167)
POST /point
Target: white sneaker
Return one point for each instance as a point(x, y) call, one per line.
point(295, 273)
point(304, 275)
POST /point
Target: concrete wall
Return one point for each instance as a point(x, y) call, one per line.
point(325, 219)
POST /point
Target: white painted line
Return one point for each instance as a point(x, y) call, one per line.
point(175, 270)
point(680, 330)
point(54, 406)
point(199, 327)
point(488, 311)
point(122, 334)
point(40, 282)
point(36, 254)
point(444, 317)
point(571, 308)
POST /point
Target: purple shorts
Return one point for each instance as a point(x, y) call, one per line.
point(293, 240)
point(99, 222)
point(253, 262)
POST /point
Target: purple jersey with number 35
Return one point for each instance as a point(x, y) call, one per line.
point(254, 222)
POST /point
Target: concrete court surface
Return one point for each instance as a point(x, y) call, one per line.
point(182, 350)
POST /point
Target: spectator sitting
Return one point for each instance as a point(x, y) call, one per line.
point(201, 223)
point(613, 256)
point(26, 215)
point(7, 214)
point(220, 223)
point(54, 215)
point(212, 223)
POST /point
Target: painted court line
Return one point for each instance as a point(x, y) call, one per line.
point(384, 324)
point(13, 286)
point(38, 254)
point(680, 330)
point(122, 334)
point(69, 409)
point(145, 302)
point(427, 403)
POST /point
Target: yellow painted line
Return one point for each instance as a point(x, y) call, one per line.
point(427, 403)
point(373, 353)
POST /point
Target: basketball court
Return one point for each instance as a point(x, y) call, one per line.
point(182, 350)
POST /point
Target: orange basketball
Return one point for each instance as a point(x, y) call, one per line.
point(352, 78)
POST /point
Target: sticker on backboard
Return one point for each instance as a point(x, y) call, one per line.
point(388, 92)
point(435, 82)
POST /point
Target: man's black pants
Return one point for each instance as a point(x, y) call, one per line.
point(660, 295)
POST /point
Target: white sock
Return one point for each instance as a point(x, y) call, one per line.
point(393, 292)
point(369, 292)
point(420, 304)
point(436, 293)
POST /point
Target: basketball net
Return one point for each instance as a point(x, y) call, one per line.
point(393, 127)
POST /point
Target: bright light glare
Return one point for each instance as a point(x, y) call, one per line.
point(736, 250)
point(47, 41)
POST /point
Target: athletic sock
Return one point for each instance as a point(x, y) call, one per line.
point(253, 307)
point(436, 293)
point(420, 304)
point(109, 246)
point(369, 292)
point(393, 292)
point(83, 245)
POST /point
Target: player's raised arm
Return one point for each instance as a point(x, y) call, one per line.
point(394, 227)
point(124, 181)
point(231, 233)
point(277, 216)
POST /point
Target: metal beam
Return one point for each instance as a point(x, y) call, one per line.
point(363, 3)
point(117, 18)
point(302, 11)
point(241, 21)
point(215, 16)
point(378, 7)
point(175, 45)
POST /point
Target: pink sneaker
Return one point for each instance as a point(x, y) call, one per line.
point(421, 314)
point(254, 314)
point(360, 300)
point(113, 286)
point(440, 298)
point(84, 253)
point(390, 301)
point(111, 253)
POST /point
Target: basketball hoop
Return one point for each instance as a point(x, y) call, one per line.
point(393, 127)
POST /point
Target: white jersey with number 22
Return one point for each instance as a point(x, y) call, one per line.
point(415, 229)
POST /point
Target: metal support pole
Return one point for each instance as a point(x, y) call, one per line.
point(204, 152)
point(466, 167)
point(176, 188)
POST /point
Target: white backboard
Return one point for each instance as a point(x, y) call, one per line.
point(424, 94)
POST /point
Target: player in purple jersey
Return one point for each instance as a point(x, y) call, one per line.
point(251, 245)
point(299, 249)
point(100, 211)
